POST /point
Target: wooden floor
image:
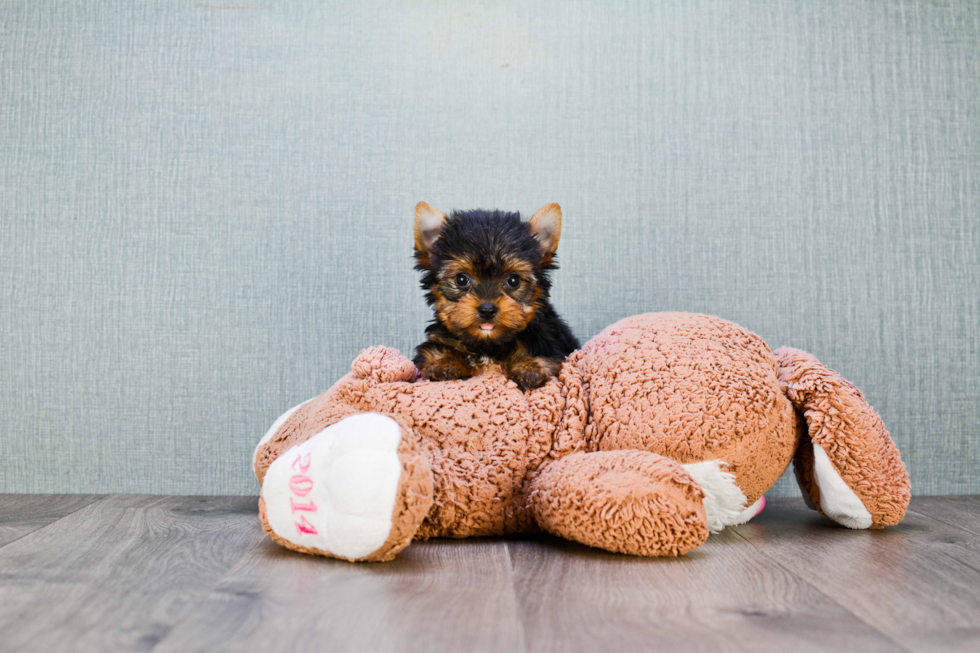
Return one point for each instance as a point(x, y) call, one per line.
point(180, 574)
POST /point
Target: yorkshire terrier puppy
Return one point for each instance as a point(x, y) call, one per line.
point(486, 274)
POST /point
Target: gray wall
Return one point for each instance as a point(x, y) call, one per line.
point(206, 212)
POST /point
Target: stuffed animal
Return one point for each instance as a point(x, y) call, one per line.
point(659, 430)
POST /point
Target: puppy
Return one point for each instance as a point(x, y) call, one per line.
point(486, 275)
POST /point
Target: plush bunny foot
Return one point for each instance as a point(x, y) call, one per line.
point(634, 502)
point(849, 468)
point(356, 490)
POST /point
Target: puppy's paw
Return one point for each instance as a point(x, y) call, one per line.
point(437, 363)
point(446, 370)
point(531, 373)
point(529, 379)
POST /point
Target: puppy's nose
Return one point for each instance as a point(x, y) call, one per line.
point(486, 310)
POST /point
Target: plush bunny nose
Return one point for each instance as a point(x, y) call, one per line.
point(486, 310)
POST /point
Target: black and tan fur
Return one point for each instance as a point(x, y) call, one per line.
point(490, 268)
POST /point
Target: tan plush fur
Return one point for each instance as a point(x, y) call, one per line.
point(595, 454)
point(626, 501)
point(852, 433)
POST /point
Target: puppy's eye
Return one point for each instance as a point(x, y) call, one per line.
point(513, 281)
point(462, 280)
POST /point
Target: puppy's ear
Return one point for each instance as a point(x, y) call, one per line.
point(428, 225)
point(546, 227)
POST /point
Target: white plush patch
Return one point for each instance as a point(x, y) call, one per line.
point(836, 499)
point(724, 501)
point(336, 491)
point(750, 512)
point(275, 427)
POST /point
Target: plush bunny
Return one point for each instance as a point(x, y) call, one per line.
point(661, 429)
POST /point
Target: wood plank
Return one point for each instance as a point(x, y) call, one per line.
point(960, 511)
point(439, 595)
point(918, 582)
point(21, 514)
point(722, 597)
point(117, 574)
point(134, 573)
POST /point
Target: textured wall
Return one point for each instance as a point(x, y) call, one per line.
point(205, 212)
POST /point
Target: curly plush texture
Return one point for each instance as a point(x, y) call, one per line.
point(850, 432)
point(481, 437)
point(597, 454)
point(632, 502)
point(384, 365)
point(692, 388)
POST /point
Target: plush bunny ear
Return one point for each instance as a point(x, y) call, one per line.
point(546, 227)
point(849, 465)
point(428, 224)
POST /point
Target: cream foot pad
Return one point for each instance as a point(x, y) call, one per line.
point(336, 491)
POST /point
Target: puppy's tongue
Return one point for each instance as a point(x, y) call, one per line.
point(487, 327)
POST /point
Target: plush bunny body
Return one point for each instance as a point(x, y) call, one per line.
point(661, 428)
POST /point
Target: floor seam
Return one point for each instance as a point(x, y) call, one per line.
point(205, 595)
point(958, 546)
point(943, 521)
point(830, 598)
point(518, 613)
point(100, 499)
